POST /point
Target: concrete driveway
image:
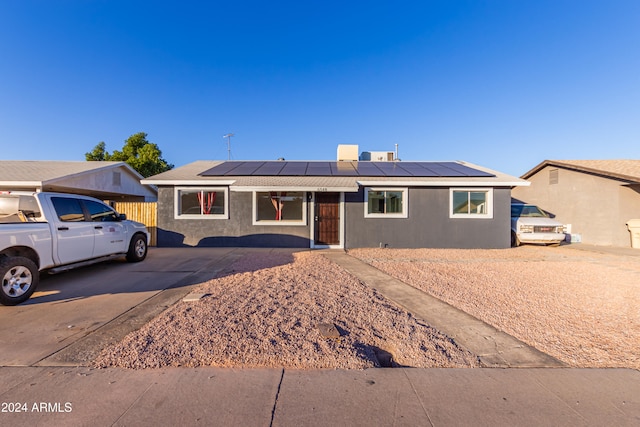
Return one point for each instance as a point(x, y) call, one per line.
point(74, 314)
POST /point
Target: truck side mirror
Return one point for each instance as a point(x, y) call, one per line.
point(122, 217)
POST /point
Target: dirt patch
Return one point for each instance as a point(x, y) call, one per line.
point(580, 307)
point(266, 312)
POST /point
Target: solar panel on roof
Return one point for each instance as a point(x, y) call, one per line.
point(247, 168)
point(294, 169)
point(468, 171)
point(221, 169)
point(368, 169)
point(392, 169)
point(378, 169)
point(319, 168)
point(270, 169)
point(442, 170)
point(343, 169)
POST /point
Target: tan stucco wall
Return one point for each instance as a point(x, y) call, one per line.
point(596, 207)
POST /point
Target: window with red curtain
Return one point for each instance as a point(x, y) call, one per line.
point(280, 206)
point(201, 202)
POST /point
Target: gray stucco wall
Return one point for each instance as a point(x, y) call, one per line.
point(597, 208)
point(428, 224)
point(238, 230)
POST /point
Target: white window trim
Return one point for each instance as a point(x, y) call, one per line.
point(176, 204)
point(254, 212)
point(487, 215)
point(405, 203)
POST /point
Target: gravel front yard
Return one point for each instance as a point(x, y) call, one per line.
point(265, 313)
point(580, 307)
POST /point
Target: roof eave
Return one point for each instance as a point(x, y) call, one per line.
point(578, 168)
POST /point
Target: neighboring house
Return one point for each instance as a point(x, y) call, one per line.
point(595, 197)
point(343, 204)
point(115, 181)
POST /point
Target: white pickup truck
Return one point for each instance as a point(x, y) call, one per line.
point(57, 232)
point(530, 224)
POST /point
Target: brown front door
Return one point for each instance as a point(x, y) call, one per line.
point(327, 217)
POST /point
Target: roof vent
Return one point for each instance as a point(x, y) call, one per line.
point(347, 153)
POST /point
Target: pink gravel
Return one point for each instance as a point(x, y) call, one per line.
point(265, 311)
point(580, 307)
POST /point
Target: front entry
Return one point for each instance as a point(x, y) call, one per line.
point(327, 219)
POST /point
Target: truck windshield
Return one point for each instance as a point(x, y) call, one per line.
point(531, 211)
point(18, 208)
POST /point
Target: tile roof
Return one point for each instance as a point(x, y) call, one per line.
point(625, 169)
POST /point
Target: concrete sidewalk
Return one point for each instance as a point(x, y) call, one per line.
point(264, 397)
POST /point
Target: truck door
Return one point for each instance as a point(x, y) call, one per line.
point(110, 233)
point(74, 235)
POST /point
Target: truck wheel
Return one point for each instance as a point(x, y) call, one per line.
point(137, 248)
point(19, 277)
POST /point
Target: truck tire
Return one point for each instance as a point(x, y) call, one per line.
point(137, 248)
point(19, 277)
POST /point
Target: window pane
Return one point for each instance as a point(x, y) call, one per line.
point(460, 202)
point(279, 206)
point(201, 202)
point(478, 202)
point(100, 212)
point(376, 202)
point(68, 209)
point(394, 202)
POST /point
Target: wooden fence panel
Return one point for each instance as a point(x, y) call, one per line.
point(144, 212)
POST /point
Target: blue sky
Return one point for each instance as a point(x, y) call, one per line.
point(500, 83)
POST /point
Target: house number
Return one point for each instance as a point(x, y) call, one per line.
point(321, 189)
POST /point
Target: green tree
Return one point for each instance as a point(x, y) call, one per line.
point(137, 152)
point(98, 154)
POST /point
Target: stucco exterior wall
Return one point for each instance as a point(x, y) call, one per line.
point(237, 231)
point(596, 207)
point(428, 224)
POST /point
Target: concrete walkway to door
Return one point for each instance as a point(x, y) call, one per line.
point(493, 347)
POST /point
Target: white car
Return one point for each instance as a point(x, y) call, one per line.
point(530, 224)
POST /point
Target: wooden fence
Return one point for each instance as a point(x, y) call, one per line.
point(144, 212)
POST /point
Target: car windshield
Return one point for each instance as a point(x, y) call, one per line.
point(527, 211)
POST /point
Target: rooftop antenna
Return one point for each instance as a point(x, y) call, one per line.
point(396, 151)
point(228, 136)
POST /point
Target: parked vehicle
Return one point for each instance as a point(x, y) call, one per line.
point(530, 224)
point(55, 232)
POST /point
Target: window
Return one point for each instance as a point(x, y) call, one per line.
point(279, 207)
point(201, 203)
point(68, 209)
point(100, 212)
point(385, 202)
point(471, 203)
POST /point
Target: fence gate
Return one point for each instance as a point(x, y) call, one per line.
point(144, 212)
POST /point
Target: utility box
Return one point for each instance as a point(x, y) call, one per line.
point(634, 229)
point(377, 156)
point(347, 153)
